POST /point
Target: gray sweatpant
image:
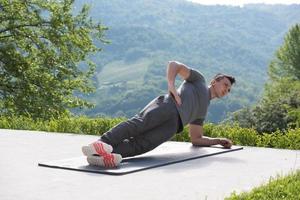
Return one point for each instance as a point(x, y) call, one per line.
point(155, 124)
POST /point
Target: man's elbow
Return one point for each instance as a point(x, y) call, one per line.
point(198, 144)
point(200, 141)
point(173, 64)
point(196, 141)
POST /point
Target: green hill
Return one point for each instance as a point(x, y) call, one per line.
point(145, 34)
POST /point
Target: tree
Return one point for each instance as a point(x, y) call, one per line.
point(287, 61)
point(279, 107)
point(284, 86)
point(44, 51)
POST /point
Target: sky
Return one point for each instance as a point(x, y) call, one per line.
point(241, 2)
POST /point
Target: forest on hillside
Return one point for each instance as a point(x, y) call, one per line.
point(95, 58)
point(145, 34)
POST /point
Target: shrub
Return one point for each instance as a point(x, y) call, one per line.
point(80, 125)
point(97, 126)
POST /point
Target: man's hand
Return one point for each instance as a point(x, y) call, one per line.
point(197, 138)
point(173, 69)
point(172, 90)
point(225, 143)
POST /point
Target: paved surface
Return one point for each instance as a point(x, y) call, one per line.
point(206, 178)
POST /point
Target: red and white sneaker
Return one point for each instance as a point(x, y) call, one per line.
point(110, 160)
point(97, 148)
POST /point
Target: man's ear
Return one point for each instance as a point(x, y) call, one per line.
point(213, 82)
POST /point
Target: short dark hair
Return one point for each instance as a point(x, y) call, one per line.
point(220, 76)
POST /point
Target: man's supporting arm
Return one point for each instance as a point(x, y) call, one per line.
point(197, 138)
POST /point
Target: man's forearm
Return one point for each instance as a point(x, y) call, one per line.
point(172, 71)
point(205, 141)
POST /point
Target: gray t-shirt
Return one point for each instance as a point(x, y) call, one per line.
point(195, 98)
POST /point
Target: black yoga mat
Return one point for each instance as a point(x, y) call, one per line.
point(166, 154)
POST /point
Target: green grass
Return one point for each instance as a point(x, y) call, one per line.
point(115, 71)
point(278, 188)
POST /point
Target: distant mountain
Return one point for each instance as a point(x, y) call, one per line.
point(145, 34)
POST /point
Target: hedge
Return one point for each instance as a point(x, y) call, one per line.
point(289, 139)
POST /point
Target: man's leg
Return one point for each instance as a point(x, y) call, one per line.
point(149, 140)
point(155, 117)
point(156, 113)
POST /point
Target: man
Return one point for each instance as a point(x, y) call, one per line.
point(162, 118)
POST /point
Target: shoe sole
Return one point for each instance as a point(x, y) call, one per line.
point(108, 161)
point(97, 148)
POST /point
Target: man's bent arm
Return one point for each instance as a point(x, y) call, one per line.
point(173, 69)
point(197, 138)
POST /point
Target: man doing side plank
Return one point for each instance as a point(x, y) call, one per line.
point(163, 117)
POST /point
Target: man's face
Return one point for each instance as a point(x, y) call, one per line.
point(221, 87)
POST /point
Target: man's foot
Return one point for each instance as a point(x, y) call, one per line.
point(111, 160)
point(97, 148)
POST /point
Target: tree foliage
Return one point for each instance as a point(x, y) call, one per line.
point(280, 106)
point(287, 61)
point(236, 40)
point(42, 44)
point(278, 109)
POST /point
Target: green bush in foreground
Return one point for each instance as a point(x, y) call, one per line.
point(79, 125)
point(97, 126)
point(249, 137)
point(283, 188)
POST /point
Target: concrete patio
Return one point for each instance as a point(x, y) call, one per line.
point(212, 177)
